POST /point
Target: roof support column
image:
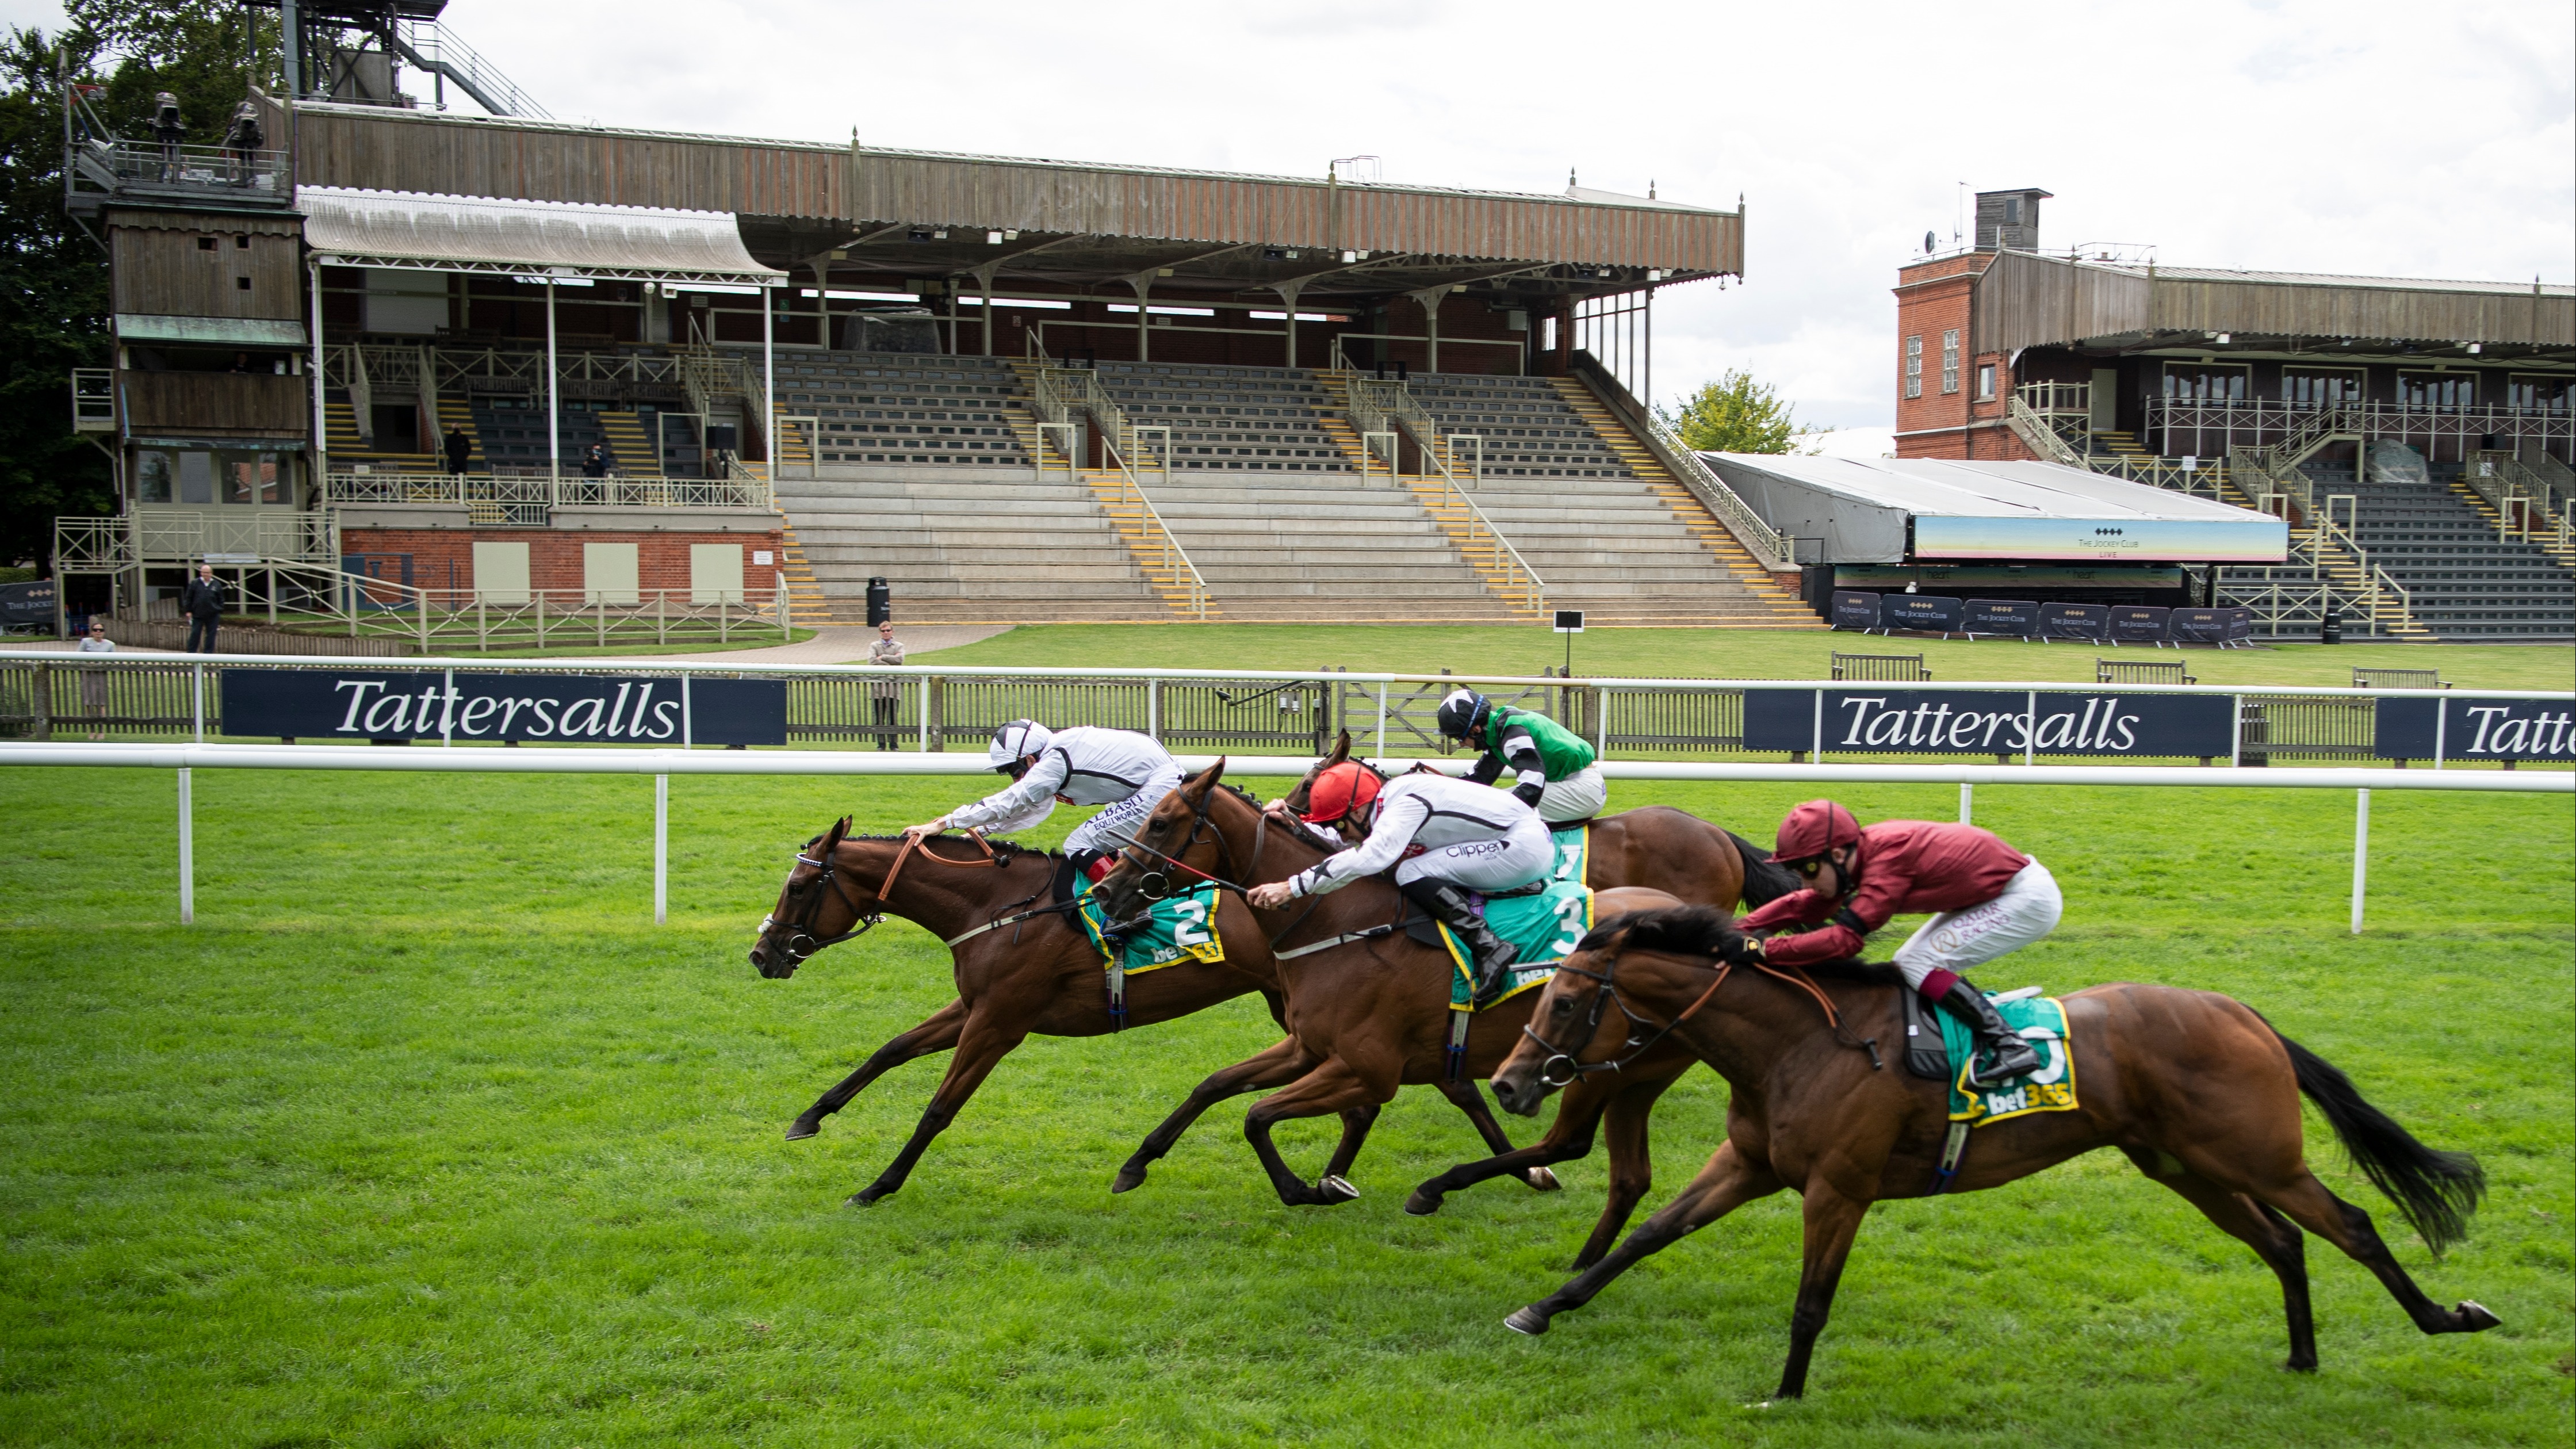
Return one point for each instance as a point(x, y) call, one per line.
point(1288, 301)
point(321, 450)
point(1143, 282)
point(769, 385)
point(983, 276)
point(1429, 300)
point(554, 409)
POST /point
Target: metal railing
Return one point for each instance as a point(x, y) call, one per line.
point(200, 171)
point(1059, 393)
point(1772, 549)
point(1383, 410)
point(174, 536)
point(528, 499)
point(432, 47)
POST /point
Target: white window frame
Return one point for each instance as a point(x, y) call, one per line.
point(1914, 366)
point(1950, 360)
point(1985, 382)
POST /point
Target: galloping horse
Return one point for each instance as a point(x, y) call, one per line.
point(1365, 1017)
point(2198, 1090)
point(1037, 972)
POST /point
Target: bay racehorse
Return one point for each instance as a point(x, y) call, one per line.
point(1036, 973)
point(1366, 1015)
point(2196, 1088)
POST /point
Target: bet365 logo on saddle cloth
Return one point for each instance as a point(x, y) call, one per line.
point(1181, 928)
point(2041, 1021)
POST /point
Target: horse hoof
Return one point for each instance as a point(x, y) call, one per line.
point(867, 1196)
point(1129, 1178)
point(2474, 1317)
point(1333, 1190)
point(1422, 1204)
point(1542, 1180)
point(1528, 1321)
point(800, 1129)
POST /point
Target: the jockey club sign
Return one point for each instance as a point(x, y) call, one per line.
point(1987, 722)
point(604, 709)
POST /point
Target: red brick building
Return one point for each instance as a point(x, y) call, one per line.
point(1950, 398)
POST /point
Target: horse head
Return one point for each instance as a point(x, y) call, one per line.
point(1295, 799)
point(818, 906)
point(1172, 850)
point(1582, 1023)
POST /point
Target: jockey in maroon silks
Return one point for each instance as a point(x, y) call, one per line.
point(1988, 898)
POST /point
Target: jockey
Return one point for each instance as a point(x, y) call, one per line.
point(1084, 765)
point(1988, 898)
point(1554, 767)
point(1440, 834)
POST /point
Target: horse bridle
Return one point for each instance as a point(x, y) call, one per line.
point(1155, 885)
point(1606, 996)
point(801, 943)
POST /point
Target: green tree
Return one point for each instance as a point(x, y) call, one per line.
point(53, 273)
point(1737, 414)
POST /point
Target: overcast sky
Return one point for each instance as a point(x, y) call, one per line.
point(2400, 139)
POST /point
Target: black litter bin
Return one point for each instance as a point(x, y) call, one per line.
point(2332, 632)
point(880, 602)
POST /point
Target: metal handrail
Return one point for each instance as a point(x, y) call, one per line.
point(2036, 433)
point(1385, 407)
point(1059, 391)
point(1771, 548)
point(740, 488)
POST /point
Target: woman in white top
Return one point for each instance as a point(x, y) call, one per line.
point(94, 678)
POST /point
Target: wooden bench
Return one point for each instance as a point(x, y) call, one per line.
point(2140, 671)
point(2398, 679)
point(1881, 668)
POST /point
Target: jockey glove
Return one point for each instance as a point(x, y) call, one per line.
point(1740, 950)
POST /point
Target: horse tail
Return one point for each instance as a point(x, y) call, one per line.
point(2436, 1191)
point(1764, 882)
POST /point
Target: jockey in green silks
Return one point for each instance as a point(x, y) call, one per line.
point(1556, 769)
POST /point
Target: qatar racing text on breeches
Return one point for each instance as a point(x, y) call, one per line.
point(1521, 856)
point(1956, 941)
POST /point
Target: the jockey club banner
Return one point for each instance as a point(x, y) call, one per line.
point(1988, 722)
point(603, 709)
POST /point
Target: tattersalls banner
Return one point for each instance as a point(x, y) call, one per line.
point(2466, 727)
point(602, 709)
point(1989, 722)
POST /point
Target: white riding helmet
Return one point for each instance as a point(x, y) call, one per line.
point(1017, 740)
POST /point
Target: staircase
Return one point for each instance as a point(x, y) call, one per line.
point(628, 444)
point(806, 602)
point(1322, 548)
point(1337, 426)
point(1120, 505)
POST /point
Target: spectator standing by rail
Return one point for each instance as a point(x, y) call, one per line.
point(203, 602)
point(884, 695)
point(169, 130)
point(94, 676)
point(243, 139)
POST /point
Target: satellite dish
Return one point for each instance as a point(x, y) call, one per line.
point(1928, 241)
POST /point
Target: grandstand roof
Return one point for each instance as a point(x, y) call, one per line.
point(880, 211)
point(478, 233)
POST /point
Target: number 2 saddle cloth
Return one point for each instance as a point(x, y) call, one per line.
point(1181, 928)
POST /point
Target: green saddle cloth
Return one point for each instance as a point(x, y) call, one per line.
point(1180, 928)
point(1543, 926)
point(2041, 1020)
point(1573, 853)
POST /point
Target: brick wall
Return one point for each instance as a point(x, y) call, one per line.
point(555, 557)
point(1934, 298)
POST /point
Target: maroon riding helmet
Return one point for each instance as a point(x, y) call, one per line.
point(1812, 829)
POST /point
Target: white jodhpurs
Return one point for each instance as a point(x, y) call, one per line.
point(1578, 796)
point(1956, 941)
point(1517, 859)
point(1108, 831)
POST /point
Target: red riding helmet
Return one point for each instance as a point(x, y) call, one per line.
point(1814, 828)
point(1338, 791)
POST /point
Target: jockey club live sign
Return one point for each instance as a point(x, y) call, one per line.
point(555, 708)
point(1988, 722)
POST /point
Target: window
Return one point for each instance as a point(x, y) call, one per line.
point(2546, 396)
point(251, 478)
point(1950, 360)
point(2201, 382)
point(1985, 382)
point(1914, 367)
point(2313, 388)
point(2436, 392)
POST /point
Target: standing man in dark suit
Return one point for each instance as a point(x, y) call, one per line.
point(203, 602)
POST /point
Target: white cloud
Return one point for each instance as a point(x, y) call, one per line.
point(2366, 136)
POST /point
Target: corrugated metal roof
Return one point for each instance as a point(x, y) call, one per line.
point(484, 233)
point(2329, 279)
point(1998, 489)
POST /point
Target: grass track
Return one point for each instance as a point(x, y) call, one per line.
point(425, 1136)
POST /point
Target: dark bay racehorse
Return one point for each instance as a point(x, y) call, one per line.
point(1038, 973)
point(1365, 1017)
point(2198, 1090)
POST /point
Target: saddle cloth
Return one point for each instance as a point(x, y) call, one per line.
point(1181, 928)
point(1573, 842)
point(1544, 926)
point(2041, 1020)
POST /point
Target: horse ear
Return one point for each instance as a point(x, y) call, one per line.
point(1206, 783)
point(1341, 749)
point(832, 838)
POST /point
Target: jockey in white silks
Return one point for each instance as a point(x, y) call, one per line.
point(1121, 770)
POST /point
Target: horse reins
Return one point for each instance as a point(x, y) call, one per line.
point(1608, 994)
point(867, 920)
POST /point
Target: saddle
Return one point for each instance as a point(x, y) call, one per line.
point(1925, 1056)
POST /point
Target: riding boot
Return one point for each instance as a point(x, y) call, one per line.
point(1491, 954)
point(2000, 1052)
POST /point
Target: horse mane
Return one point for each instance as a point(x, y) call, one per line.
point(1004, 850)
point(1765, 880)
point(1704, 931)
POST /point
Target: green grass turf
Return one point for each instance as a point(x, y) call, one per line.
point(426, 1136)
point(1718, 654)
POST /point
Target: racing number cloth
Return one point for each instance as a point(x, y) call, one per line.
point(1180, 928)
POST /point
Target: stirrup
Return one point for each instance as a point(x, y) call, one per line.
point(1979, 1075)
